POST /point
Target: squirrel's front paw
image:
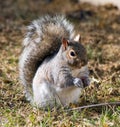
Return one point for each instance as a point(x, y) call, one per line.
point(86, 81)
point(78, 82)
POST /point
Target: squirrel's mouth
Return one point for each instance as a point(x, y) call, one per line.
point(85, 81)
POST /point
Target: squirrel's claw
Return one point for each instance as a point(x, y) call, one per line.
point(78, 82)
point(86, 81)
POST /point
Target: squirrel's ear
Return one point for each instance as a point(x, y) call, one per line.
point(77, 38)
point(64, 43)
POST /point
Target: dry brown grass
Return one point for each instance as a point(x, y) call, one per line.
point(100, 30)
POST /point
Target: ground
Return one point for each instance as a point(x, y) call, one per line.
point(100, 31)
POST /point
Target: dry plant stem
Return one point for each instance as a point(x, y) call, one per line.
point(95, 105)
point(96, 74)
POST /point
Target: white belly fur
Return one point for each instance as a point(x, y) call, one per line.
point(69, 95)
point(44, 95)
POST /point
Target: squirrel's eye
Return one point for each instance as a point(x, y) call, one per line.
point(72, 53)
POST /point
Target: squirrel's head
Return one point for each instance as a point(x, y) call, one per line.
point(74, 52)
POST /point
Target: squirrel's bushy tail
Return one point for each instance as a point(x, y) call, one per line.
point(42, 39)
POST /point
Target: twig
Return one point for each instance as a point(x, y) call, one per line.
point(94, 71)
point(94, 105)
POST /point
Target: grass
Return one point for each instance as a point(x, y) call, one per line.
point(104, 65)
point(35, 117)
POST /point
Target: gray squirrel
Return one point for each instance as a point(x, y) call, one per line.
point(53, 63)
